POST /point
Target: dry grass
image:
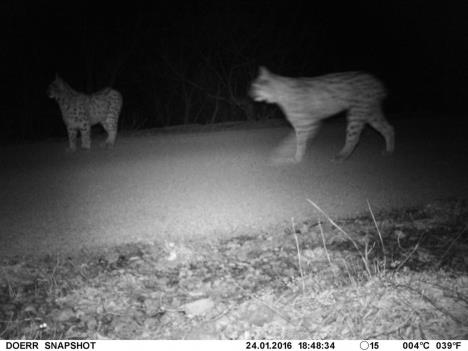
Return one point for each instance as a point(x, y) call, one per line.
point(390, 275)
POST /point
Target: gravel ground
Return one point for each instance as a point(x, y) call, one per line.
point(217, 183)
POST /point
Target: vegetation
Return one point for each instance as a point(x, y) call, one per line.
point(389, 275)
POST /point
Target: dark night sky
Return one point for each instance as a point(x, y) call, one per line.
point(177, 61)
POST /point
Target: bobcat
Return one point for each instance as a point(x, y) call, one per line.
point(81, 111)
point(307, 101)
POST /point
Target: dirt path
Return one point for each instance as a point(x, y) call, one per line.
point(217, 183)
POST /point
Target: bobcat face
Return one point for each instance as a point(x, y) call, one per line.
point(55, 88)
point(263, 87)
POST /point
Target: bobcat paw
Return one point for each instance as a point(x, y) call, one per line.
point(387, 153)
point(106, 145)
point(339, 158)
point(282, 161)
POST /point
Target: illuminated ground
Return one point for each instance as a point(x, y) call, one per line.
point(214, 183)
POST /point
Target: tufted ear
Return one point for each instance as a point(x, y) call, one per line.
point(263, 71)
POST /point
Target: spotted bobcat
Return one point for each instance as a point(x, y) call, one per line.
point(307, 101)
point(81, 111)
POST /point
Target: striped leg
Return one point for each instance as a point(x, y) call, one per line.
point(356, 123)
point(380, 124)
point(304, 134)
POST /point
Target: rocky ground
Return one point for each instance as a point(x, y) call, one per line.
point(388, 275)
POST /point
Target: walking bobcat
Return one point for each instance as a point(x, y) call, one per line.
point(307, 101)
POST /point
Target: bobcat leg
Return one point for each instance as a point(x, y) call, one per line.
point(86, 136)
point(72, 133)
point(380, 124)
point(111, 131)
point(110, 141)
point(303, 135)
point(284, 152)
point(353, 131)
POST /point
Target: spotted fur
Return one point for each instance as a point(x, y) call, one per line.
point(307, 101)
point(81, 111)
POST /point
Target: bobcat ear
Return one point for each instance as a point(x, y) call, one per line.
point(263, 71)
